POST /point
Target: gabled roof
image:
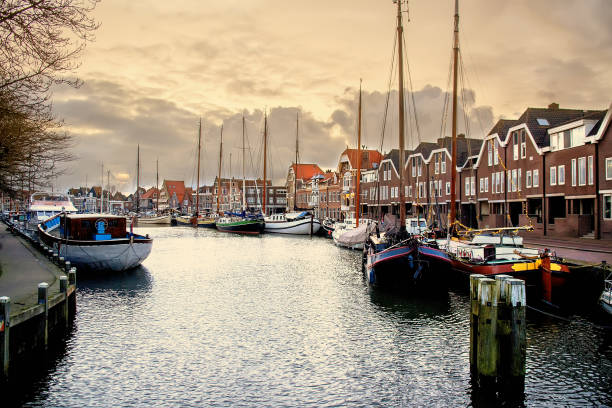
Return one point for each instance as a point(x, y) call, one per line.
point(553, 116)
point(149, 193)
point(97, 191)
point(305, 171)
point(425, 148)
point(501, 127)
point(369, 157)
point(393, 156)
point(175, 187)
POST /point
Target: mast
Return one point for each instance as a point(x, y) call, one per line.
point(453, 209)
point(198, 178)
point(400, 35)
point(102, 191)
point(231, 182)
point(358, 190)
point(243, 176)
point(138, 179)
point(219, 179)
point(108, 190)
point(157, 186)
point(265, 163)
point(297, 133)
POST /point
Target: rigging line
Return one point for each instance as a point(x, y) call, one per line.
point(445, 105)
point(391, 76)
point(416, 119)
point(467, 84)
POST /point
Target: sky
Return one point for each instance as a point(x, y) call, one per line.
point(156, 68)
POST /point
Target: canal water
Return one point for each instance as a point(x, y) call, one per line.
point(220, 320)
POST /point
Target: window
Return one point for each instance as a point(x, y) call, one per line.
point(481, 185)
point(582, 171)
point(561, 175)
point(501, 183)
point(514, 180)
point(419, 170)
point(536, 178)
point(443, 156)
point(553, 176)
point(467, 186)
point(515, 145)
point(590, 170)
point(609, 168)
point(447, 187)
point(495, 153)
point(414, 167)
point(406, 191)
point(473, 182)
point(607, 207)
point(437, 164)
point(573, 172)
point(486, 184)
point(490, 152)
point(510, 180)
point(528, 179)
point(409, 191)
point(523, 144)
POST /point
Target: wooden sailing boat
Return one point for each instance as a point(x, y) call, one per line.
point(241, 223)
point(347, 234)
point(158, 219)
point(391, 257)
point(498, 253)
point(296, 222)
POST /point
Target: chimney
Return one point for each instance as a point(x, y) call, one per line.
point(461, 136)
point(441, 141)
point(553, 106)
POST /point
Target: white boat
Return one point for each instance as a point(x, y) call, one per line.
point(297, 223)
point(156, 219)
point(606, 297)
point(45, 205)
point(347, 235)
point(416, 226)
point(95, 242)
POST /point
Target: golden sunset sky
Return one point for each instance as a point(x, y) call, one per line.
point(157, 66)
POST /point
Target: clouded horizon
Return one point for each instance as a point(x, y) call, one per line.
point(157, 67)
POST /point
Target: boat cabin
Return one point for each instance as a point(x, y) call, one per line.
point(89, 227)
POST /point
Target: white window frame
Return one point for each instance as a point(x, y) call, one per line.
point(553, 176)
point(473, 184)
point(436, 164)
point(448, 188)
point(561, 175)
point(481, 185)
point(528, 179)
point(515, 145)
point(590, 175)
point(582, 171)
point(490, 152)
point(574, 176)
point(467, 186)
point(607, 197)
point(523, 144)
point(495, 152)
point(608, 167)
point(443, 163)
point(536, 178)
point(486, 180)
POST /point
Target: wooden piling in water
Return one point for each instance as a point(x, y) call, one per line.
point(546, 277)
point(487, 346)
point(64, 315)
point(43, 299)
point(474, 286)
point(516, 300)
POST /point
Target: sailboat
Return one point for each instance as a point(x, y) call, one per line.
point(241, 223)
point(490, 251)
point(348, 234)
point(296, 222)
point(163, 219)
point(391, 257)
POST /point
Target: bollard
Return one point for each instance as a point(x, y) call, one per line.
point(55, 258)
point(516, 300)
point(5, 312)
point(487, 330)
point(72, 276)
point(64, 305)
point(67, 266)
point(474, 283)
point(50, 253)
point(43, 299)
point(503, 321)
point(62, 261)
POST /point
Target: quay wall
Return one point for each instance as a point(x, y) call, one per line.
point(29, 328)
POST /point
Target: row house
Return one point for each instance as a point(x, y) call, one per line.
point(547, 169)
point(329, 189)
point(175, 196)
point(347, 171)
point(298, 178)
point(232, 191)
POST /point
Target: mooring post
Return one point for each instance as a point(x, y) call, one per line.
point(5, 328)
point(516, 298)
point(62, 261)
point(546, 276)
point(503, 322)
point(72, 276)
point(50, 254)
point(67, 266)
point(311, 224)
point(64, 305)
point(487, 331)
point(474, 282)
point(43, 299)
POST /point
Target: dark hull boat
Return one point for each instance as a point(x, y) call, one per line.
point(241, 225)
point(395, 266)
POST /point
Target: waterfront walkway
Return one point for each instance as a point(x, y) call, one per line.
point(576, 249)
point(22, 268)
